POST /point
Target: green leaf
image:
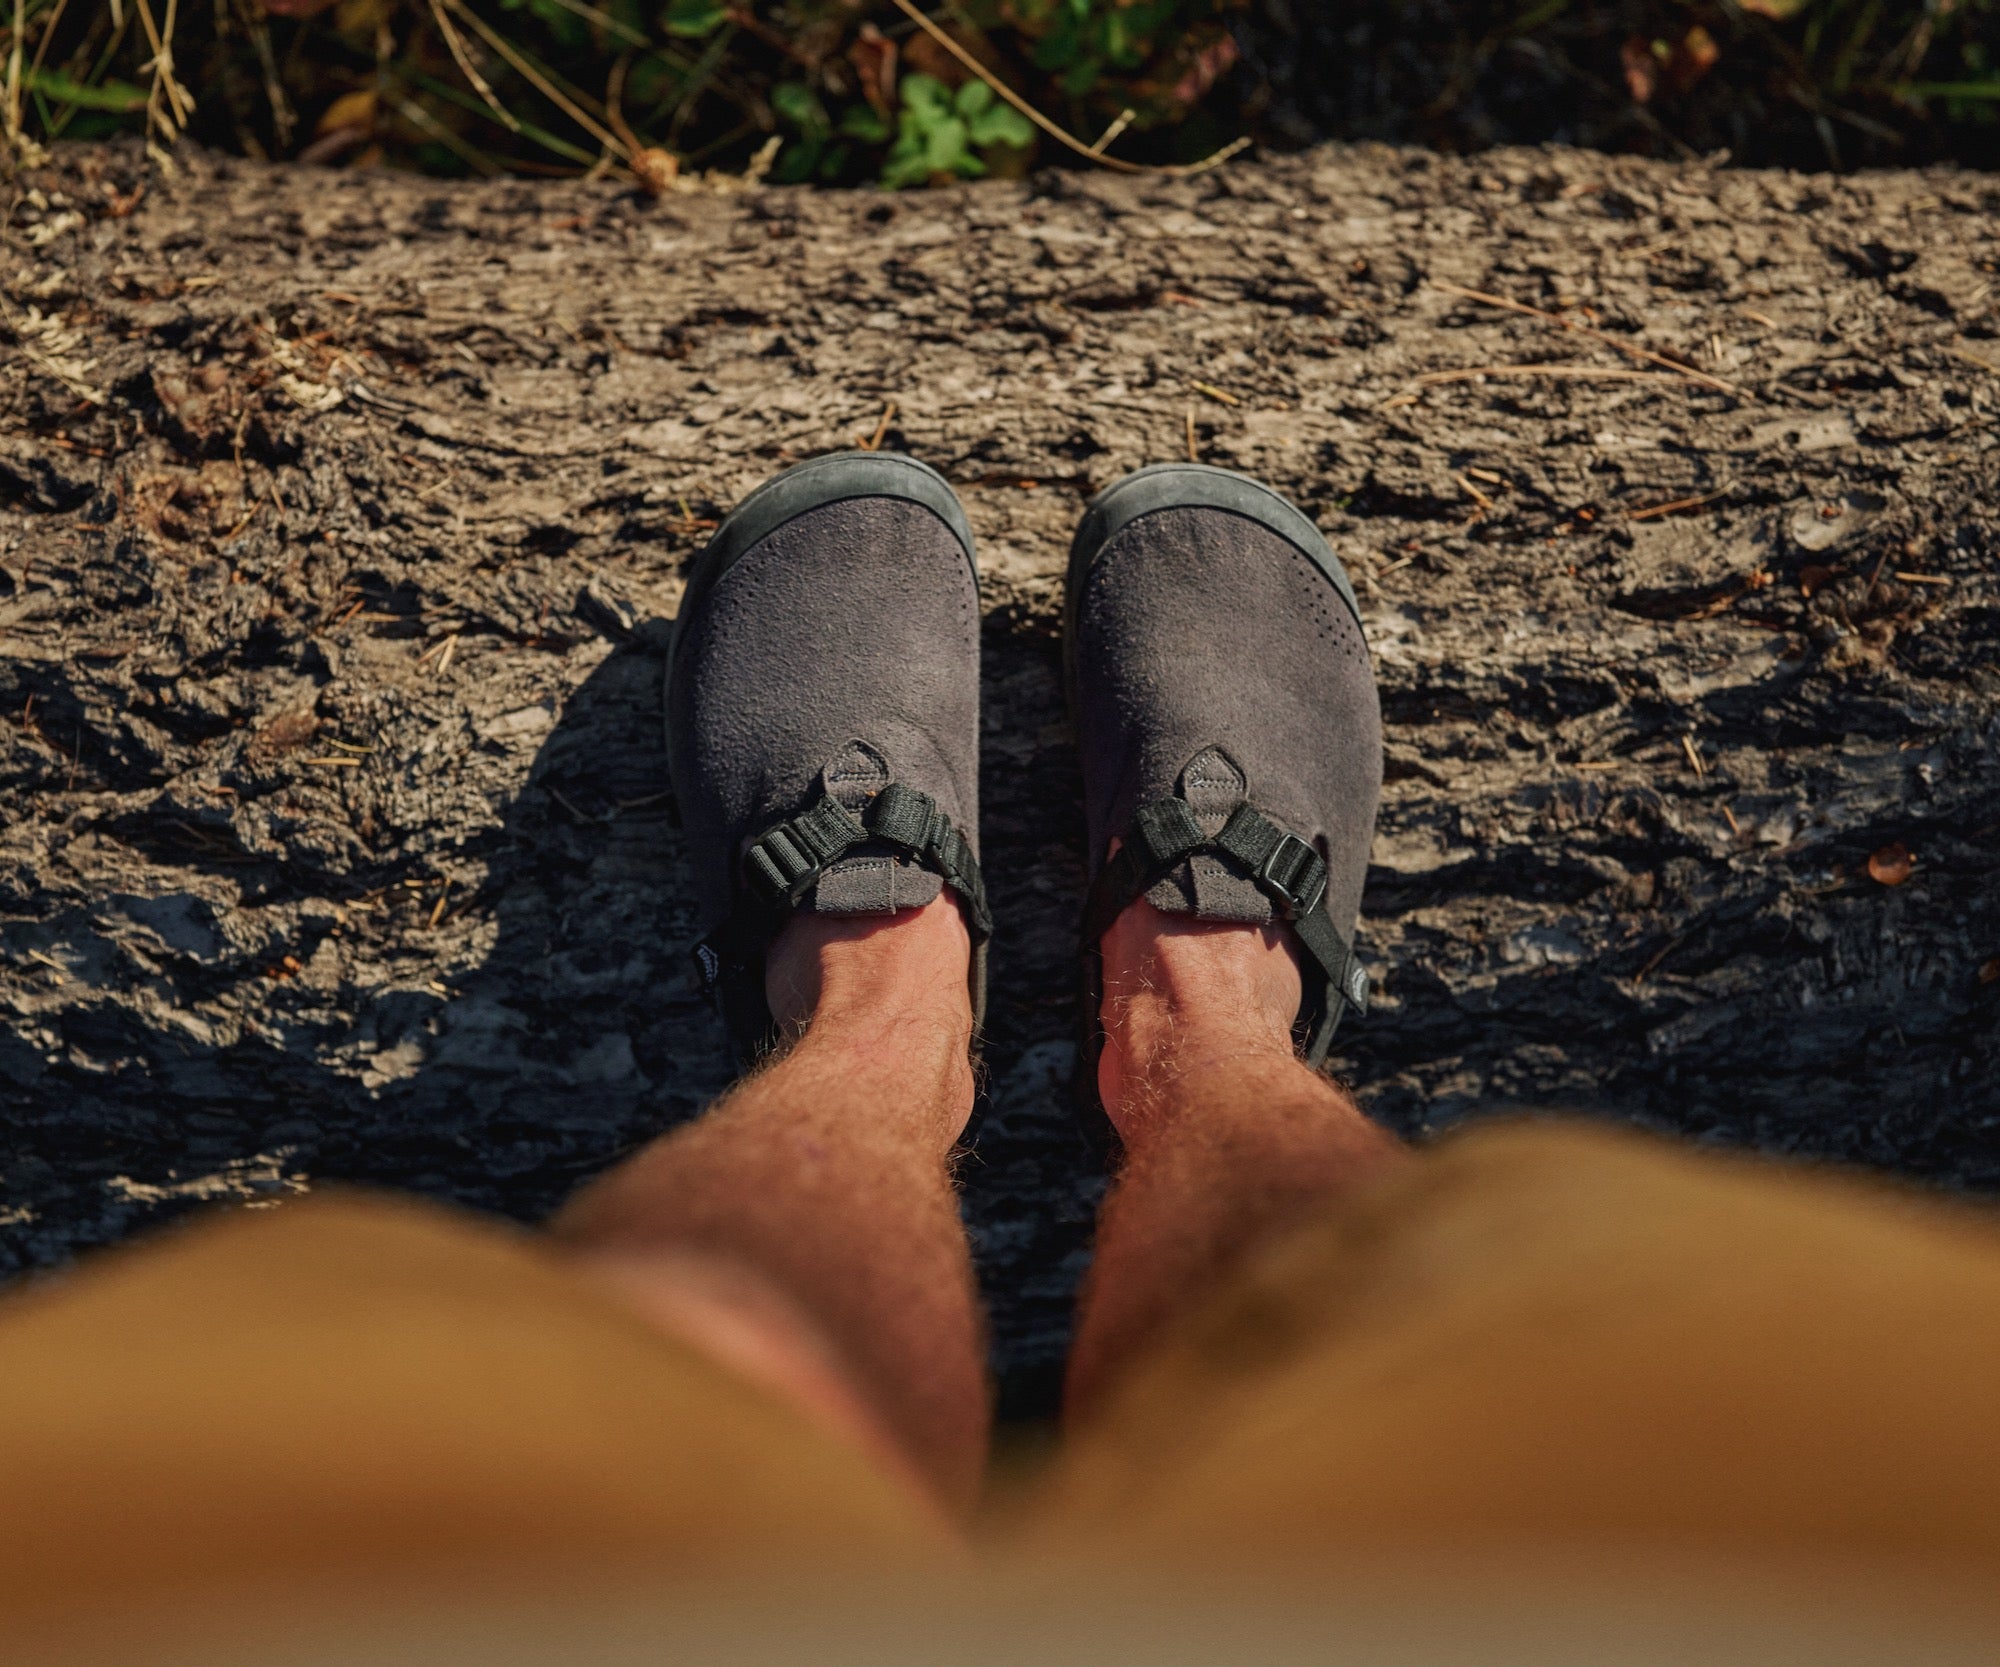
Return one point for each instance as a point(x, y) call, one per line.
point(560, 21)
point(1950, 89)
point(973, 98)
point(1059, 50)
point(927, 97)
point(797, 161)
point(947, 151)
point(693, 19)
point(1002, 125)
point(866, 123)
point(1080, 77)
point(931, 137)
point(119, 96)
point(798, 104)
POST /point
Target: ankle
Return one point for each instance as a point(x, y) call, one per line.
point(885, 970)
point(882, 998)
point(1185, 999)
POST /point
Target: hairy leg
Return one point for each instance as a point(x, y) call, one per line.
point(1227, 1135)
point(805, 1230)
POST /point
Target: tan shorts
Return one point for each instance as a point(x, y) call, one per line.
point(1539, 1335)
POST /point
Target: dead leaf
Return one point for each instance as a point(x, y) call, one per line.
point(349, 110)
point(873, 55)
point(1642, 69)
point(1891, 865)
point(287, 730)
point(655, 169)
point(1695, 54)
point(1813, 580)
point(1989, 972)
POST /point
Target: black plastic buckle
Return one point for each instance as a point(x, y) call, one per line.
point(1294, 874)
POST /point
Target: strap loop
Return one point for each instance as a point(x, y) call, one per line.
point(782, 863)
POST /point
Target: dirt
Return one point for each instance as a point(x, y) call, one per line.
point(341, 516)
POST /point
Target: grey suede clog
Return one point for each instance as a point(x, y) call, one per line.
point(822, 701)
point(1228, 727)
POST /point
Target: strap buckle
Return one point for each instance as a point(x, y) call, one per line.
point(1294, 874)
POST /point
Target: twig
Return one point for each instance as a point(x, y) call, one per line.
point(1660, 955)
point(1562, 323)
point(1875, 579)
point(1123, 121)
point(1214, 393)
point(874, 442)
point(1679, 504)
point(1063, 135)
point(1567, 373)
point(1194, 453)
point(1694, 755)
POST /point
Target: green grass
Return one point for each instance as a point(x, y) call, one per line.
point(855, 91)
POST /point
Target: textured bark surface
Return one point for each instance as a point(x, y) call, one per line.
point(341, 516)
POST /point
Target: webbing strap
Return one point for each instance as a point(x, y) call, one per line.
point(1165, 833)
point(785, 861)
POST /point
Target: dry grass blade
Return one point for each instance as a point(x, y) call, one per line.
point(1562, 323)
point(422, 120)
point(166, 88)
point(13, 95)
point(456, 44)
point(1062, 135)
point(540, 82)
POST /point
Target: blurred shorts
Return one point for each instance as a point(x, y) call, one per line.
point(1538, 1337)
